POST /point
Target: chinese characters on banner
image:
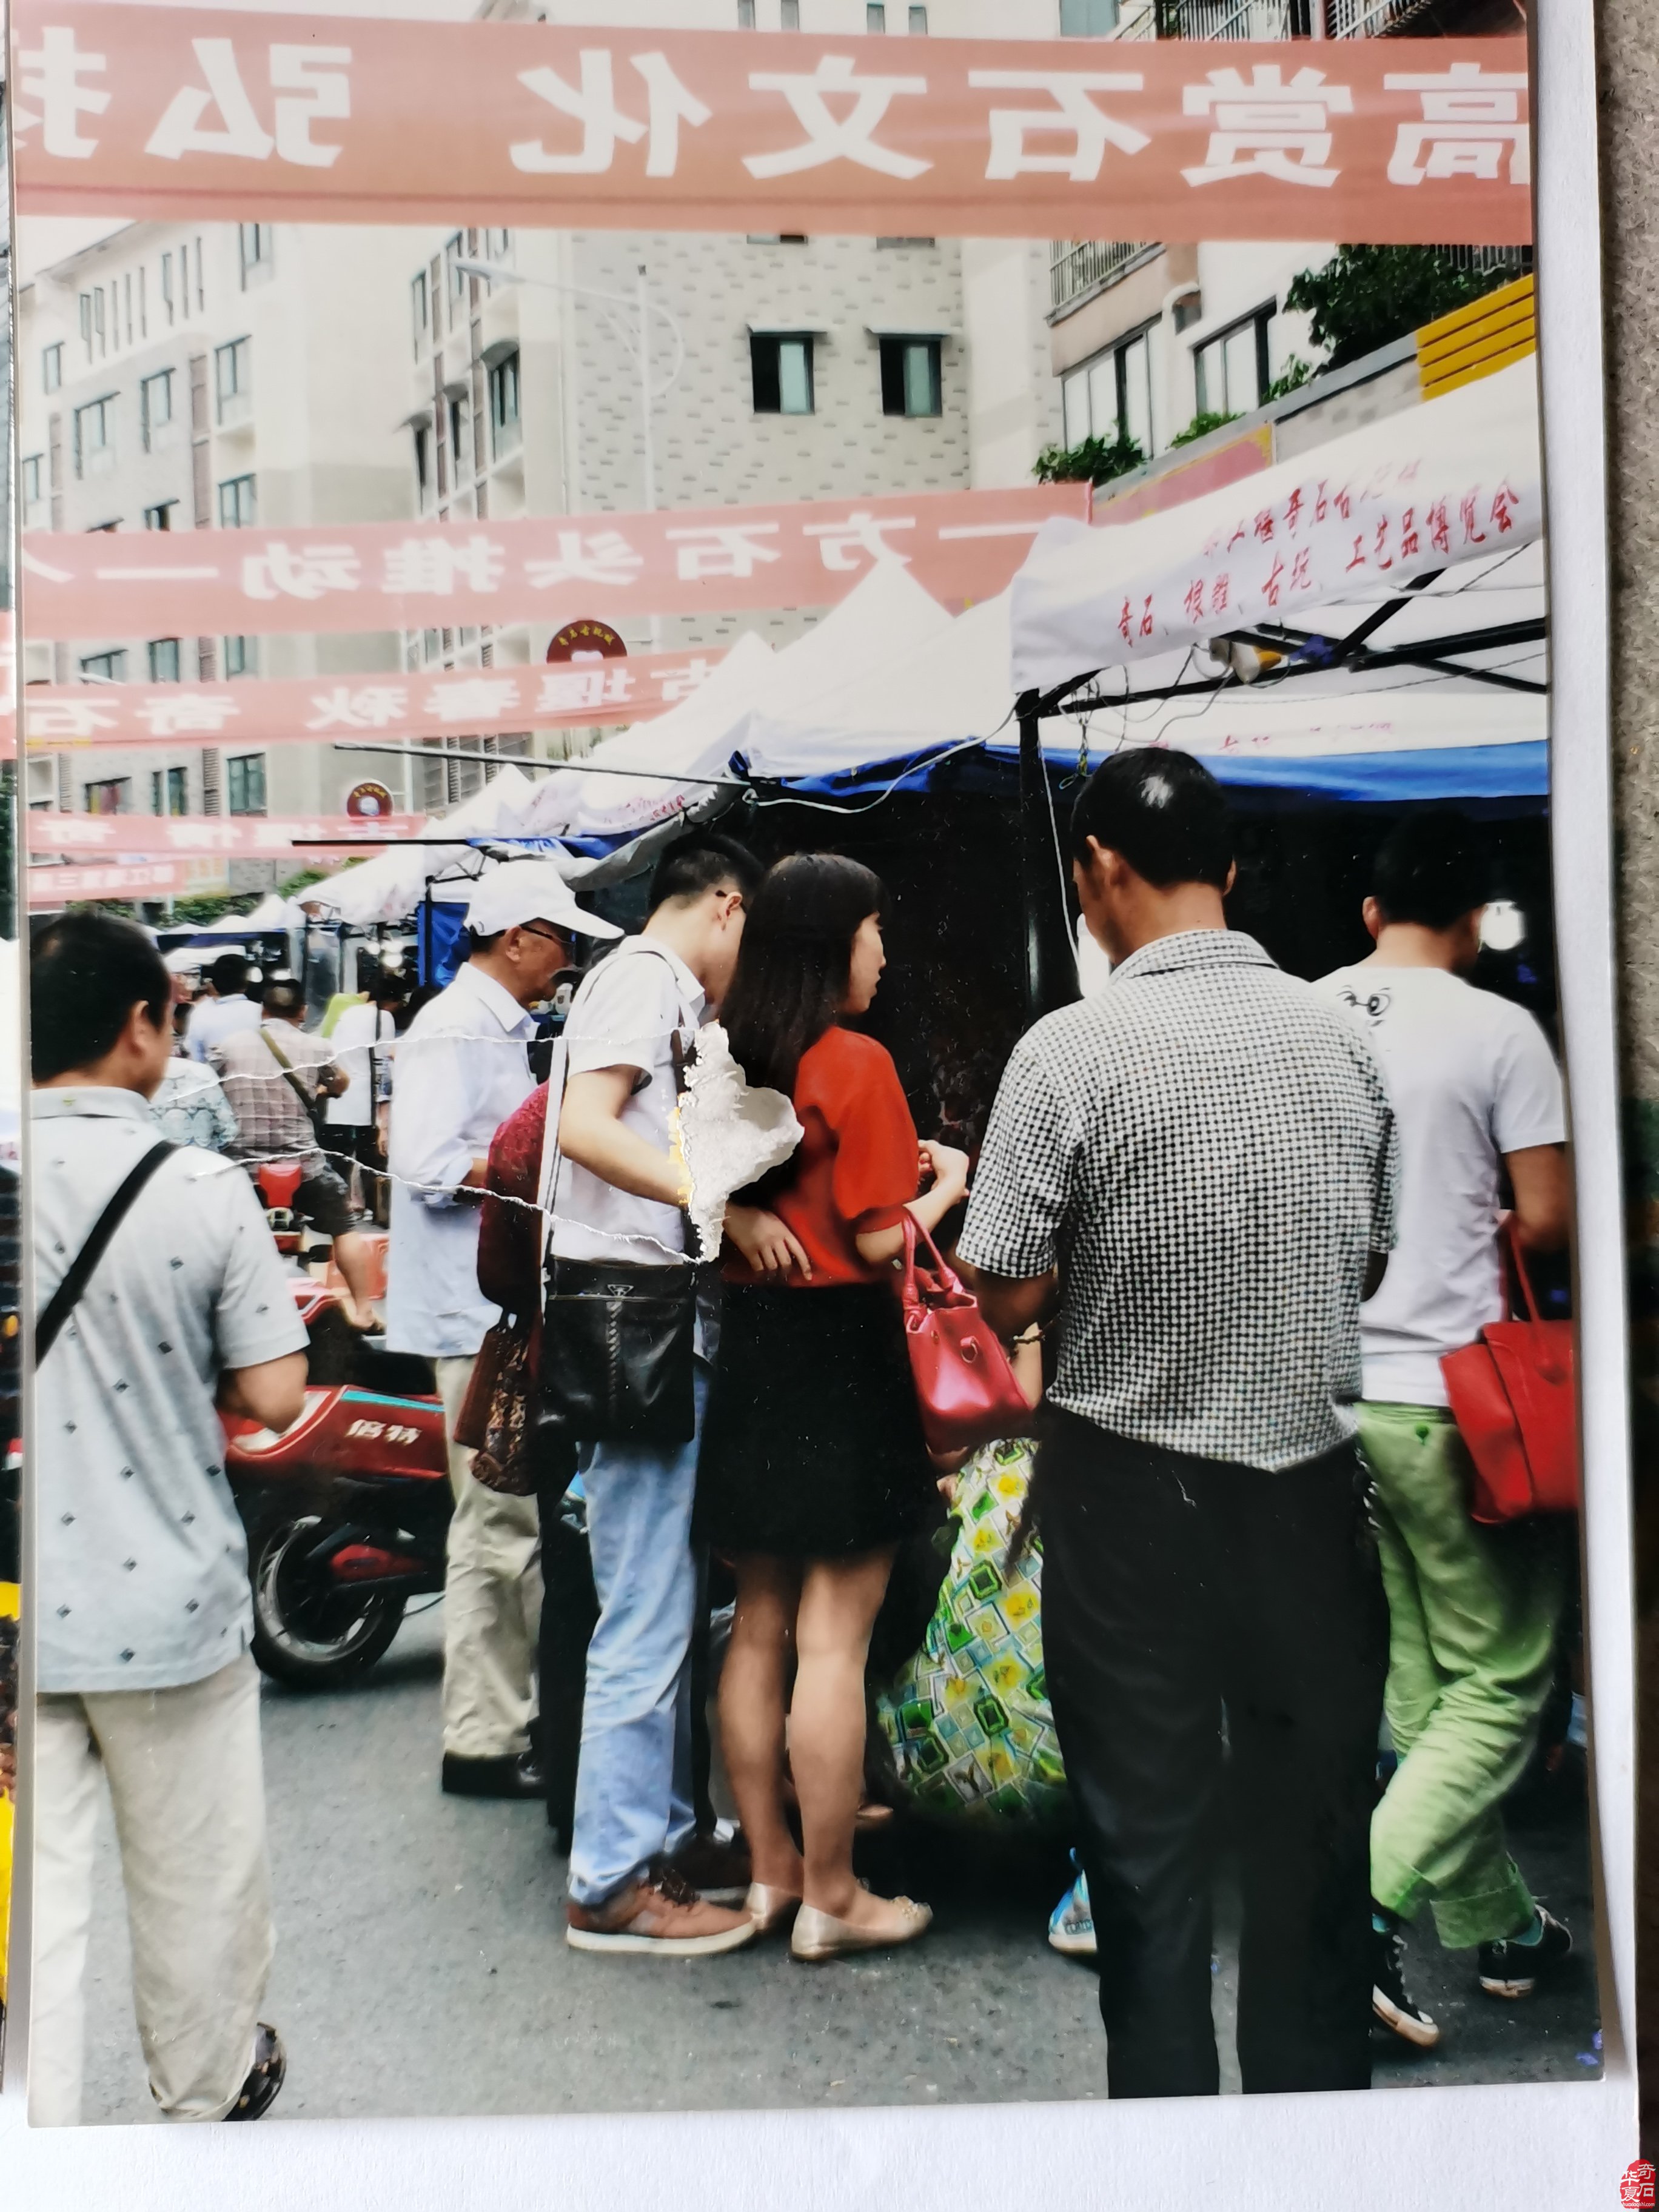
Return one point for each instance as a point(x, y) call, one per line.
point(154, 879)
point(959, 545)
point(224, 836)
point(380, 708)
point(1458, 480)
point(170, 112)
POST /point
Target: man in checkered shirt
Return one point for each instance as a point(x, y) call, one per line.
point(1194, 1172)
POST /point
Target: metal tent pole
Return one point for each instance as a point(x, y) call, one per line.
point(1050, 958)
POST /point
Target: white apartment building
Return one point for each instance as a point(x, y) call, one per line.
point(191, 376)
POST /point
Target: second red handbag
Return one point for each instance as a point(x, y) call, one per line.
point(966, 1389)
point(1513, 1397)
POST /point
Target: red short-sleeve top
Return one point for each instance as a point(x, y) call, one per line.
point(858, 1164)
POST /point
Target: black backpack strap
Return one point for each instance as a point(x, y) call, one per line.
point(65, 1299)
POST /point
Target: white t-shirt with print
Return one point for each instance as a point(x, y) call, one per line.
point(1472, 1077)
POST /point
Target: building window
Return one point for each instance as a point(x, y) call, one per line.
point(918, 22)
point(781, 366)
point(105, 667)
point(236, 504)
point(910, 382)
point(112, 796)
point(95, 437)
point(875, 18)
point(256, 243)
point(497, 245)
point(745, 14)
point(167, 284)
point(458, 437)
point(1088, 19)
point(1232, 368)
point(504, 403)
point(164, 660)
point(241, 656)
point(52, 367)
point(454, 254)
point(34, 482)
point(421, 307)
point(789, 15)
point(169, 790)
point(160, 517)
point(154, 405)
point(233, 379)
point(1110, 396)
point(245, 783)
point(422, 460)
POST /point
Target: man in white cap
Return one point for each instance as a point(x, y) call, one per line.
point(463, 1067)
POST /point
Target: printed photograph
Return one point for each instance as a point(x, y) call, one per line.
point(800, 1210)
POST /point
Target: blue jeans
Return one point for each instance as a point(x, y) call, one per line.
point(634, 1800)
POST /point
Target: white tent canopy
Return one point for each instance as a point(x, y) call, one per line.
point(886, 615)
point(1457, 479)
point(393, 884)
point(955, 689)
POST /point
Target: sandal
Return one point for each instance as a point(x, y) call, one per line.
point(264, 2077)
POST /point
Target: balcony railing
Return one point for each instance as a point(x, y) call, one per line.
point(1077, 265)
point(1369, 19)
point(1218, 18)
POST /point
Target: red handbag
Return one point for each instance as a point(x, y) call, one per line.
point(1513, 1397)
point(966, 1388)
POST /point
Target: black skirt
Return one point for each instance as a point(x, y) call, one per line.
point(812, 1444)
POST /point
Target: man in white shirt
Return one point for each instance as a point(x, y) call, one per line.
point(1473, 1610)
point(463, 1066)
point(363, 1041)
point(142, 1615)
point(641, 1881)
point(229, 1010)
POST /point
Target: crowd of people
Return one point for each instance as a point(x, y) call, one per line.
point(1229, 1221)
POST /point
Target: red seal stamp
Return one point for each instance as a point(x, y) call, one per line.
point(1635, 2184)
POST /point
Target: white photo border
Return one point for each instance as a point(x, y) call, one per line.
point(1533, 2147)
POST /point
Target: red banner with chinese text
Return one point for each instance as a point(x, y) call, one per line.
point(174, 111)
point(960, 545)
point(122, 837)
point(438, 703)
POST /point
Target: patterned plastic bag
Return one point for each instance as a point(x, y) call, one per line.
point(967, 1718)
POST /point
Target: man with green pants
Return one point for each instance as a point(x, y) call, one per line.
point(1473, 1610)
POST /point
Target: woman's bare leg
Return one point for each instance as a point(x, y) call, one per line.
point(753, 1697)
point(839, 1602)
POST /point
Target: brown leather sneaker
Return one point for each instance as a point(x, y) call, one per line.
point(663, 1915)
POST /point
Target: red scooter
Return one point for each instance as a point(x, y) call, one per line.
point(346, 1512)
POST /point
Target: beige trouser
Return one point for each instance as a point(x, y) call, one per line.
point(188, 1790)
point(492, 1603)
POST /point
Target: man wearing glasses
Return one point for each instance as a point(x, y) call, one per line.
point(463, 1067)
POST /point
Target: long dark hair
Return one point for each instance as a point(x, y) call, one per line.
point(795, 961)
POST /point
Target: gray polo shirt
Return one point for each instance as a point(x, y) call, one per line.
point(141, 1580)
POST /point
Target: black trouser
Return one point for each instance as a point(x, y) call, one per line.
point(1172, 1586)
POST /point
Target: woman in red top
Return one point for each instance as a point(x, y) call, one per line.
point(812, 1464)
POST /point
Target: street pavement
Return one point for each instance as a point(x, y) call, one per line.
point(421, 1966)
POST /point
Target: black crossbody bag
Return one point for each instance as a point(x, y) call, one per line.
point(617, 1337)
point(65, 1299)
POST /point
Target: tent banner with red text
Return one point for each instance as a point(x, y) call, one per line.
point(170, 112)
point(222, 837)
point(960, 545)
point(378, 709)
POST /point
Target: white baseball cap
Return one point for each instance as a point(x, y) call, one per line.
point(531, 890)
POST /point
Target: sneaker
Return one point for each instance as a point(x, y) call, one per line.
point(1512, 1969)
point(1391, 2001)
point(662, 1915)
point(716, 1864)
point(1072, 1924)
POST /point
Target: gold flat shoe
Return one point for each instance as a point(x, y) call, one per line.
point(819, 1935)
point(771, 1910)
